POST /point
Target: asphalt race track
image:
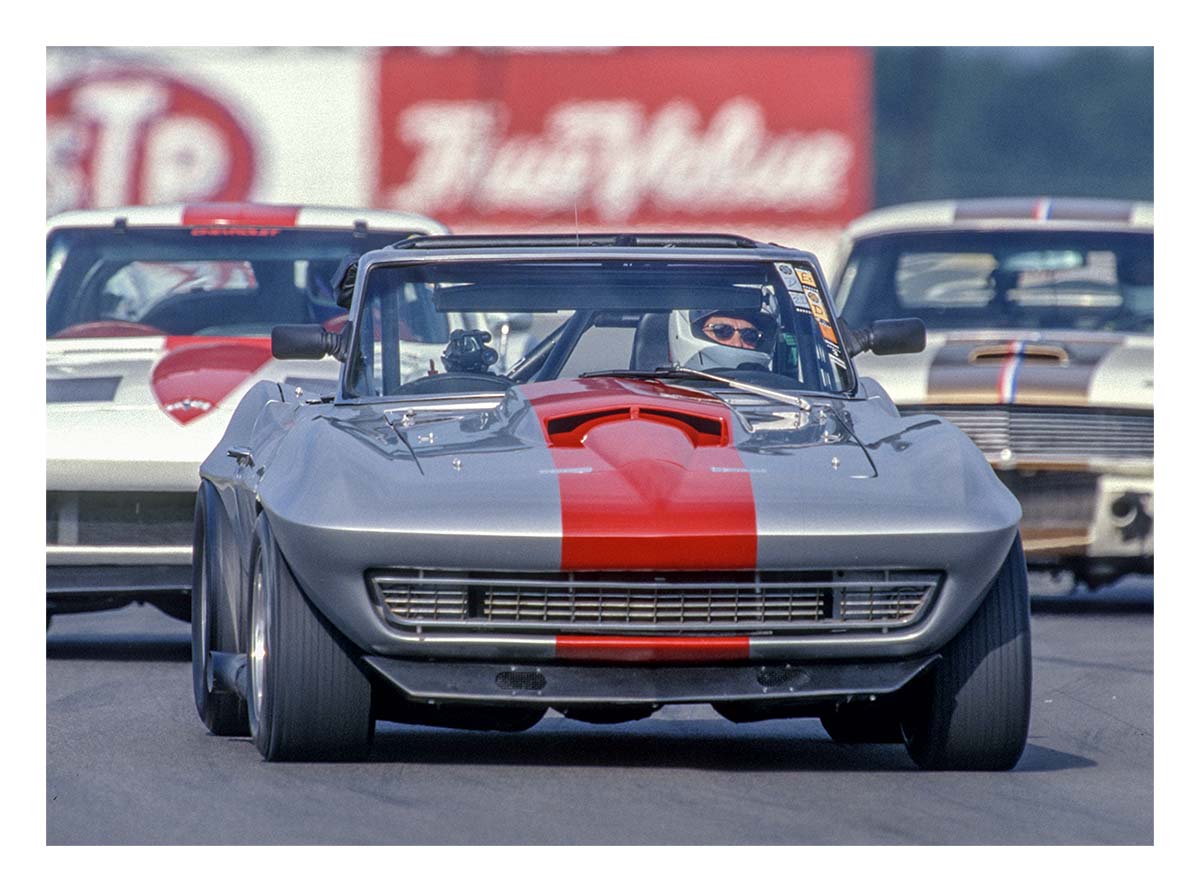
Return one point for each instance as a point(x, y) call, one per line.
point(128, 761)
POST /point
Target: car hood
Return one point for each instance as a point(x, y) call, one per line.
point(142, 413)
point(1018, 367)
point(612, 473)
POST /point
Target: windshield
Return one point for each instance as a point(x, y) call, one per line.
point(1039, 280)
point(762, 322)
point(194, 281)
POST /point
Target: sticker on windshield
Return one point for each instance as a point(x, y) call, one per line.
point(822, 316)
point(789, 276)
point(795, 290)
point(807, 278)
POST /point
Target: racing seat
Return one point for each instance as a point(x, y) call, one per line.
point(650, 343)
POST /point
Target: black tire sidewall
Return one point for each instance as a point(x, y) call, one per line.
point(307, 661)
point(222, 712)
point(948, 724)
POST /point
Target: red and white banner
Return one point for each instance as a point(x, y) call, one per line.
point(772, 142)
point(664, 137)
point(162, 125)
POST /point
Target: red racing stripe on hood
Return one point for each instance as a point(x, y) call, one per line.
point(234, 214)
point(196, 373)
point(648, 478)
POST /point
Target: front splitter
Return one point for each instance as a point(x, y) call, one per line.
point(562, 684)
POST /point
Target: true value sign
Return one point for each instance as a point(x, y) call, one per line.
point(626, 136)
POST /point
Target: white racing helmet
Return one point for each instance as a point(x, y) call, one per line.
point(691, 347)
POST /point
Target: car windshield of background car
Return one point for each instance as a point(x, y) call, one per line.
point(581, 316)
point(193, 281)
point(1092, 281)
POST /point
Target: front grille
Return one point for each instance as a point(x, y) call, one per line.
point(744, 601)
point(1051, 432)
point(119, 518)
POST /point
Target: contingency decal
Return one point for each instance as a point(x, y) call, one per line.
point(826, 324)
point(789, 276)
point(802, 286)
point(818, 310)
point(794, 287)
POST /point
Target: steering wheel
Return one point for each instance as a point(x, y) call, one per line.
point(108, 328)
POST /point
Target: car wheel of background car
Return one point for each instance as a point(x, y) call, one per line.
point(971, 710)
point(307, 696)
point(223, 712)
point(863, 722)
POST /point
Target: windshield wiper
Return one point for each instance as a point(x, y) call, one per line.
point(682, 373)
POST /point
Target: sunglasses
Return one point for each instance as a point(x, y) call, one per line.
point(751, 337)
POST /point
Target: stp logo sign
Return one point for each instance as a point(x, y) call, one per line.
point(141, 137)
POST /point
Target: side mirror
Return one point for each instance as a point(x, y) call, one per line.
point(886, 337)
point(305, 342)
point(890, 336)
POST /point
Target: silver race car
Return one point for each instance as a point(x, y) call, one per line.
point(682, 493)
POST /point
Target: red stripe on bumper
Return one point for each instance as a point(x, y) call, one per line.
point(623, 649)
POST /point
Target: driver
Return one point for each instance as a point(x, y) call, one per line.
point(721, 339)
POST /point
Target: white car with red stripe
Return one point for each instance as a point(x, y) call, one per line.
point(1040, 317)
point(158, 321)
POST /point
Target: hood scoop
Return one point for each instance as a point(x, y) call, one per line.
point(571, 429)
point(997, 354)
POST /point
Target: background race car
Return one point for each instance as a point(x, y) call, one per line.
point(158, 320)
point(1040, 316)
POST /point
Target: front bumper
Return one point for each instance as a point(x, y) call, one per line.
point(1084, 476)
point(78, 589)
point(1074, 515)
point(558, 684)
point(107, 548)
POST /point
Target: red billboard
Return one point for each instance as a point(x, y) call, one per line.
point(644, 137)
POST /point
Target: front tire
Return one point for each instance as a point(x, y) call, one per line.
point(308, 698)
point(970, 712)
point(223, 712)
